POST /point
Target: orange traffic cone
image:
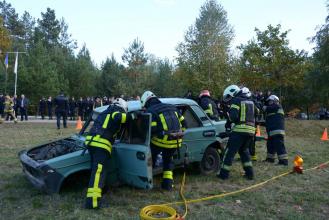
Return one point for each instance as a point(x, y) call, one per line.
point(325, 135)
point(258, 131)
point(79, 124)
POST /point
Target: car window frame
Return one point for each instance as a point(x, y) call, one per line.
point(196, 117)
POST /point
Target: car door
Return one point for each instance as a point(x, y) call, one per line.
point(133, 153)
point(199, 133)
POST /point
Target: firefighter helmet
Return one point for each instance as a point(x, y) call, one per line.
point(230, 92)
point(246, 92)
point(121, 103)
point(146, 96)
point(273, 98)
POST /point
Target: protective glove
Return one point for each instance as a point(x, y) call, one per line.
point(135, 115)
point(228, 126)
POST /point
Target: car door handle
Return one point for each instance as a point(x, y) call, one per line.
point(209, 133)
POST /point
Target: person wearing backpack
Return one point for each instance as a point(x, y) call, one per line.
point(167, 131)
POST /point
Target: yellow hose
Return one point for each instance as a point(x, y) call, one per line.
point(148, 212)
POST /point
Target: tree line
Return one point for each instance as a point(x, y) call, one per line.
point(205, 61)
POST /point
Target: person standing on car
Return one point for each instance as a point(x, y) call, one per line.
point(242, 114)
point(167, 126)
point(208, 105)
point(274, 122)
point(61, 109)
point(99, 142)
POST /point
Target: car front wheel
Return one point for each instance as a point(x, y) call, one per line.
point(210, 161)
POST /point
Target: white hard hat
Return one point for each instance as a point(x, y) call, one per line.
point(273, 98)
point(246, 91)
point(230, 92)
point(121, 103)
point(146, 96)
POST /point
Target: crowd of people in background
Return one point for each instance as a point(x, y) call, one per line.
point(11, 107)
point(81, 107)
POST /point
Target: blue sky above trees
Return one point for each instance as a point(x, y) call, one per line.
point(109, 26)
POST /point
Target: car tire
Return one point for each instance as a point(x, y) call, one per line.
point(210, 161)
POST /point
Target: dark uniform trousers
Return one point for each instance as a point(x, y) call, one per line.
point(60, 114)
point(252, 149)
point(168, 164)
point(275, 145)
point(100, 159)
point(237, 143)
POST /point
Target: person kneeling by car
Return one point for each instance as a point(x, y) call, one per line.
point(99, 142)
point(167, 132)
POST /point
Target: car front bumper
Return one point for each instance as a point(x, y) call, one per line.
point(41, 175)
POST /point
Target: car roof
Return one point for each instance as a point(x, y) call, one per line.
point(136, 105)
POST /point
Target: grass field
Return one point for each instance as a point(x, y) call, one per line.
point(292, 197)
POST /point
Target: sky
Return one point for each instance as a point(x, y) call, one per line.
point(109, 26)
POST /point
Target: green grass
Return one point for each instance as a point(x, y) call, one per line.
point(292, 197)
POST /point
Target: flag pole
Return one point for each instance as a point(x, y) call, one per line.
point(15, 83)
point(6, 79)
point(15, 71)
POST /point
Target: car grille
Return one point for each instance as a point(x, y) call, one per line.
point(34, 172)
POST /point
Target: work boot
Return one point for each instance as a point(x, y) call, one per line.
point(283, 162)
point(269, 160)
point(249, 173)
point(167, 184)
point(223, 174)
point(89, 204)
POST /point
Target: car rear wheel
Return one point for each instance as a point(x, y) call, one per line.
point(210, 161)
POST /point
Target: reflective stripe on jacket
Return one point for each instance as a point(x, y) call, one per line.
point(274, 120)
point(166, 119)
point(242, 114)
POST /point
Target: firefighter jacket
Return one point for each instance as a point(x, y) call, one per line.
point(274, 119)
point(166, 120)
point(209, 107)
point(106, 127)
point(242, 113)
point(9, 106)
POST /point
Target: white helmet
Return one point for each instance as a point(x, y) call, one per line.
point(230, 92)
point(146, 96)
point(246, 91)
point(273, 98)
point(121, 103)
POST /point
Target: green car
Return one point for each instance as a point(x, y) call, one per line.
point(47, 166)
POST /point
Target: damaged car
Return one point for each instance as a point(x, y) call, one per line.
point(48, 165)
